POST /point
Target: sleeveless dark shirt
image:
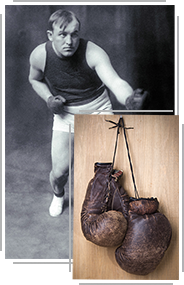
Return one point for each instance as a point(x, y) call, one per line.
point(71, 77)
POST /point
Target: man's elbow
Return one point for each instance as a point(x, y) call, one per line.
point(30, 79)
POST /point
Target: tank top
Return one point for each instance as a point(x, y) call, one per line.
point(71, 77)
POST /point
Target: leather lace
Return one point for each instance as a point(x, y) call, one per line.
point(121, 125)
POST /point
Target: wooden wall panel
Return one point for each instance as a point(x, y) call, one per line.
point(154, 148)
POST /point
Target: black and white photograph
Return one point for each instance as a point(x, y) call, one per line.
point(36, 40)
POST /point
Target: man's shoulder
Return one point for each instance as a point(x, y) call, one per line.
point(93, 48)
point(38, 56)
point(94, 54)
point(91, 45)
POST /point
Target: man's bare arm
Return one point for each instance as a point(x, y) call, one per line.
point(37, 63)
point(99, 60)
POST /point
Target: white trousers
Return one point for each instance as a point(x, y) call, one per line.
point(62, 121)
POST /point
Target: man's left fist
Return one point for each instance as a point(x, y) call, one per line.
point(138, 100)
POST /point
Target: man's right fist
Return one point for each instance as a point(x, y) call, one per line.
point(55, 104)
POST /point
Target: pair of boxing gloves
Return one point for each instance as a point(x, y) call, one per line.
point(137, 101)
point(109, 217)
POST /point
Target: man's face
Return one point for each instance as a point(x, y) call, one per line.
point(65, 41)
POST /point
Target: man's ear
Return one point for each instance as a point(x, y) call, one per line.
point(49, 35)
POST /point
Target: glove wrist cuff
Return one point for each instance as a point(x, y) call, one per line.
point(128, 103)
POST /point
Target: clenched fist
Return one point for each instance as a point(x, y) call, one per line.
point(138, 100)
point(55, 104)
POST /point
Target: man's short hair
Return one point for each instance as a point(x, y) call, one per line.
point(61, 17)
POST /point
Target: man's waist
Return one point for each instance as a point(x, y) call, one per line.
point(80, 97)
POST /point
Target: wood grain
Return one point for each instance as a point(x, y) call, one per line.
point(154, 149)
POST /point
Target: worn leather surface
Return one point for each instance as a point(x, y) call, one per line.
point(105, 208)
point(148, 237)
point(144, 206)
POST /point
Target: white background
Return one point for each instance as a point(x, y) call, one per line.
point(25, 274)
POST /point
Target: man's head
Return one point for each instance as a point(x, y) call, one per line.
point(63, 31)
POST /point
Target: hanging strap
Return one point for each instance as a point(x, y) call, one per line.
point(119, 125)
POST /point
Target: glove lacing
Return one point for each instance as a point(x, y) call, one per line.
point(121, 125)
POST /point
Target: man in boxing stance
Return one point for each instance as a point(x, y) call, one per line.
point(72, 74)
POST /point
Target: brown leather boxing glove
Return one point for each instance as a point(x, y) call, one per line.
point(147, 238)
point(105, 208)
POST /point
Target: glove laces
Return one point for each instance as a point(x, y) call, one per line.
point(121, 125)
